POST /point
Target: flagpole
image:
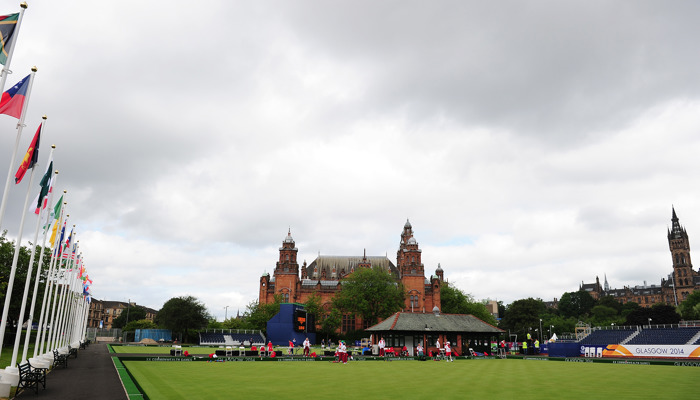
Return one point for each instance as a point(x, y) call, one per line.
point(54, 316)
point(20, 125)
point(28, 279)
point(38, 272)
point(6, 68)
point(39, 344)
point(63, 305)
point(12, 369)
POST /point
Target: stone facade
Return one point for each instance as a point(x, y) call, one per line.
point(323, 277)
point(673, 290)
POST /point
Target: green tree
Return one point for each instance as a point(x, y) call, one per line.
point(610, 301)
point(182, 314)
point(455, 301)
point(330, 324)
point(659, 314)
point(132, 313)
point(257, 315)
point(576, 304)
point(604, 315)
point(629, 307)
point(690, 307)
point(132, 326)
point(7, 250)
point(523, 316)
point(371, 293)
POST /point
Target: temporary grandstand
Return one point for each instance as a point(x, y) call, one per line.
point(231, 337)
point(645, 335)
point(671, 340)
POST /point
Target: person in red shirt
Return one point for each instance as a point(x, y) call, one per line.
point(269, 348)
point(291, 348)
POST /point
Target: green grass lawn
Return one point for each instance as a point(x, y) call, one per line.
point(494, 379)
point(192, 350)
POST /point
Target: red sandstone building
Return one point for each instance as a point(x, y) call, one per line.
point(323, 277)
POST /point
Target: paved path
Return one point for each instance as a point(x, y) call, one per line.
point(90, 376)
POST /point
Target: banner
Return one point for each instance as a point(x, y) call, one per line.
point(652, 350)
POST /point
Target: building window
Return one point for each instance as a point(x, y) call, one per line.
point(414, 301)
point(394, 340)
point(348, 323)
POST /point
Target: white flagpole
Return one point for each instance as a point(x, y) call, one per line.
point(58, 306)
point(20, 125)
point(39, 344)
point(39, 268)
point(13, 270)
point(65, 294)
point(6, 68)
point(50, 343)
point(28, 279)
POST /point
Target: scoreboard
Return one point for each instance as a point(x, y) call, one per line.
point(303, 322)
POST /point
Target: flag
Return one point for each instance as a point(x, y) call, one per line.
point(12, 100)
point(52, 240)
point(30, 159)
point(57, 250)
point(57, 208)
point(45, 187)
point(7, 29)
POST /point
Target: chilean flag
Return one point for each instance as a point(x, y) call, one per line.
point(13, 99)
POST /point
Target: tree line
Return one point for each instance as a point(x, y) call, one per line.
point(373, 295)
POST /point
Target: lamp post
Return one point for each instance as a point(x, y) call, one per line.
point(649, 323)
point(540, 329)
point(225, 313)
point(550, 331)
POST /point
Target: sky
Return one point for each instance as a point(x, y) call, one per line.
point(533, 145)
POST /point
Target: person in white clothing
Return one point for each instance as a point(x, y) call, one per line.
point(382, 344)
point(448, 351)
point(307, 347)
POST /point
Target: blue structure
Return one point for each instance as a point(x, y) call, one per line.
point(155, 334)
point(560, 349)
point(280, 328)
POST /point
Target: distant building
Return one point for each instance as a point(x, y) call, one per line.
point(672, 291)
point(102, 313)
point(323, 277)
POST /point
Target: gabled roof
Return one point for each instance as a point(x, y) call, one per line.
point(429, 322)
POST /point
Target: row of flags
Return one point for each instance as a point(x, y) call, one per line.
point(67, 273)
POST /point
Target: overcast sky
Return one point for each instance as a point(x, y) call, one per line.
point(532, 145)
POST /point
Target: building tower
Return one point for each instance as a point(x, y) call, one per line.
point(682, 276)
point(411, 271)
point(287, 270)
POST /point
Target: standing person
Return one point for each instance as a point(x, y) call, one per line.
point(291, 348)
point(448, 351)
point(269, 348)
point(307, 347)
point(323, 344)
point(344, 352)
point(382, 344)
point(537, 346)
point(419, 350)
point(525, 348)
